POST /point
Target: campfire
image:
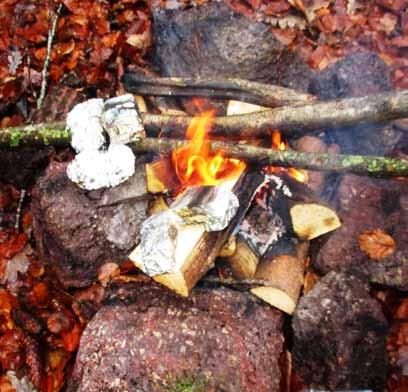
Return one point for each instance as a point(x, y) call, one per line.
point(223, 219)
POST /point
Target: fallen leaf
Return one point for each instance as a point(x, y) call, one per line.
point(70, 339)
point(107, 272)
point(377, 244)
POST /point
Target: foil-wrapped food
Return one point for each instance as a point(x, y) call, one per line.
point(96, 165)
point(208, 207)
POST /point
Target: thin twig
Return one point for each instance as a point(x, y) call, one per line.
point(44, 72)
point(19, 208)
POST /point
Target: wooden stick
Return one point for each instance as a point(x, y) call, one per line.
point(295, 119)
point(237, 89)
point(289, 119)
point(55, 134)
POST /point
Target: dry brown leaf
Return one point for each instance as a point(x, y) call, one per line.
point(377, 244)
point(107, 272)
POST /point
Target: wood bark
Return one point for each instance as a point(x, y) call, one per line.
point(285, 274)
point(237, 89)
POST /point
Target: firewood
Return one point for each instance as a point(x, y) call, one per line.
point(285, 274)
point(244, 261)
point(266, 221)
point(369, 165)
point(160, 176)
point(311, 220)
point(196, 248)
point(236, 89)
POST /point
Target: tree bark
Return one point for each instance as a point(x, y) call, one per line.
point(239, 89)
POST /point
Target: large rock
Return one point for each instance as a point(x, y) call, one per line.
point(366, 205)
point(212, 41)
point(340, 336)
point(78, 231)
point(357, 75)
point(215, 340)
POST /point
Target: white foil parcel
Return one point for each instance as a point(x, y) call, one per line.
point(210, 207)
point(97, 166)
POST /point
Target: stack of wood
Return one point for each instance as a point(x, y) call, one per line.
point(266, 242)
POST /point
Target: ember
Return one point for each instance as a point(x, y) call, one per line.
point(195, 164)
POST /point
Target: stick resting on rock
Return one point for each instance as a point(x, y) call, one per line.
point(298, 119)
point(238, 89)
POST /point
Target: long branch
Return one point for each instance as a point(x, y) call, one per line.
point(238, 89)
point(295, 119)
point(371, 165)
point(289, 119)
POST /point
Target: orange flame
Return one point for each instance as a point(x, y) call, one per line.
point(278, 144)
point(195, 164)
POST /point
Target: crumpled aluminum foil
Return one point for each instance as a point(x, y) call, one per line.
point(85, 125)
point(95, 166)
point(121, 120)
point(212, 206)
point(94, 169)
point(159, 241)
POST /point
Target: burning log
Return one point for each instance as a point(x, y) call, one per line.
point(368, 165)
point(265, 223)
point(196, 249)
point(284, 274)
point(237, 89)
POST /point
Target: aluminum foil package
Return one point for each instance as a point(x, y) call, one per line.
point(208, 207)
point(121, 120)
point(95, 166)
point(159, 241)
point(96, 169)
point(212, 206)
point(85, 125)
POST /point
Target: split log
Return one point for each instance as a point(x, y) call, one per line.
point(340, 335)
point(161, 176)
point(196, 248)
point(311, 220)
point(285, 274)
point(236, 89)
point(368, 165)
point(266, 221)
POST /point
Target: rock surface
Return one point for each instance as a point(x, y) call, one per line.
point(215, 340)
point(357, 75)
point(365, 205)
point(212, 41)
point(79, 231)
point(340, 336)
